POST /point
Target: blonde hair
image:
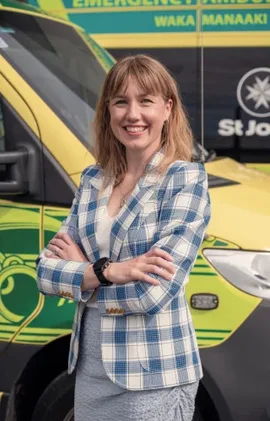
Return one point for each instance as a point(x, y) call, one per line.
point(153, 78)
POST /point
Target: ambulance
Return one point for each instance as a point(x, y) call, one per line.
point(51, 73)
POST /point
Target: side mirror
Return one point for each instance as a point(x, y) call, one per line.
point(16, 163)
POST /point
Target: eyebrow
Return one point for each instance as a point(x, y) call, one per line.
point(140, 96)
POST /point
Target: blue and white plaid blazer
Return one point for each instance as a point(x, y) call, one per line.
point(148, 339)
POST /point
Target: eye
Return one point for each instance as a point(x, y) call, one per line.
point(146, 100)
point(120, 102)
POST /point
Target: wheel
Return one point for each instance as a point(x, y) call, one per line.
point(57, 400)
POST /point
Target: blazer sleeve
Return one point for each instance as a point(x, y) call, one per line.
point(182, 223)
point(62, 277)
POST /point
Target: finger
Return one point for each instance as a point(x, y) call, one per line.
point(51, 255)
point(149, 280)
point(57, 242)
point(52, 248)
point(162, 253)
point(162, 263)
point(56, 250)
point(158, 271)
point(64, 237)
point(156, 251)
point(48, 254)
point(139, 275)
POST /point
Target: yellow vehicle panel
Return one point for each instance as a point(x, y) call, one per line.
point(216, 326)
point(49, 133)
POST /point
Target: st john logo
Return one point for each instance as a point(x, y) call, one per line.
point(253, 92)
point(253, 95)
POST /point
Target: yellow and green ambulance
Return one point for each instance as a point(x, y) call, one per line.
point(51, 72)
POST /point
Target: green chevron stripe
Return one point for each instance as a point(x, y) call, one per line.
point(213, 330)
point(30, 341)
point(203, 273)
point(206, 338)
point(201, 266)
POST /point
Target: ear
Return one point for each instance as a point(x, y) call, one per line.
point(168, 107)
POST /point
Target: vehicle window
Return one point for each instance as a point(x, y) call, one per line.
point(57, 63)
point(236, 100)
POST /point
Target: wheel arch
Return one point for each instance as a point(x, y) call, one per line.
point(210, 400)
point(40, 370)
point(206, 405)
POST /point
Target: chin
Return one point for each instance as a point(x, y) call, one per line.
point(135, 146)
point(134, 143)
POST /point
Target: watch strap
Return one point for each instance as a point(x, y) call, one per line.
point(99, 267)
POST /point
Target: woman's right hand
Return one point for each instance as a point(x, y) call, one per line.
point(156, 261)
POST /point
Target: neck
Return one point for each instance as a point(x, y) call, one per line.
point(137, 161)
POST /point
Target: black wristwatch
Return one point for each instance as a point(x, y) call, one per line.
point(99, 266)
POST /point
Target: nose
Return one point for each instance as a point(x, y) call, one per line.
point(133, 111)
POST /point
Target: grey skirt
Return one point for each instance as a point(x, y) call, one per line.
point(97, 398)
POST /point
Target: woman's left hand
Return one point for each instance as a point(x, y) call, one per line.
point(63, 247)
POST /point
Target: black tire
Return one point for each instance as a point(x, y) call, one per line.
point(57, 401)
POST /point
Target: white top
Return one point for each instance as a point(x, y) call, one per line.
point(103, 234)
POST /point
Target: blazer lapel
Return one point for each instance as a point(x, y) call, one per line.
point(135, 203)
point(142, 192)
point(93, 203)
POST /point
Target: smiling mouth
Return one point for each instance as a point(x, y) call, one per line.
point(135, 129)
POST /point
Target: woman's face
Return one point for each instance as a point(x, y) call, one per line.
point(137, 118)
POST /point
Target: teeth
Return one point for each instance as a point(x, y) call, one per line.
point(134, 129)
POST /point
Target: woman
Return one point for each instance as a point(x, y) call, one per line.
point(125, 252)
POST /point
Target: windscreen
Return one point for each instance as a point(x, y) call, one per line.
point(57, 63)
